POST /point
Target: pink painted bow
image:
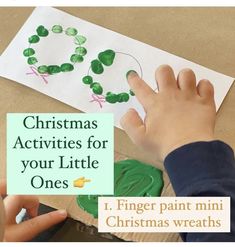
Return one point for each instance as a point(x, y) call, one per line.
point(99, 99)
point(34, 71)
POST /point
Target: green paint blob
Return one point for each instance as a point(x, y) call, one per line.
point(111, 98)
point(87, 79)
point(29, 52)
point(66, 67)
point(79, 40)
point(89, 203)
point(42, 69)
point(57, 29)
point(32, 60)
point(34, 39)
point(42, 31)
point(131, 178)
point(97, 67)
point(107, 57)
point(53, 69)
point(81, 51)
point(131, 93)
point(123, 97)
point(97, 88)
point(71, 31)
point(75, 58)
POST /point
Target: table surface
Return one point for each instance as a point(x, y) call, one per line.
point(203, 35)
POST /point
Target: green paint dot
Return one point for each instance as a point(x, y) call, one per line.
point(34, 39)
point(32, 60)
point(87, 79)
point(53, 69)
point(42, 31)
point(42, 69)
point(57, 29)
point(81, 51)
point(29, 52)
point(79, 40)
point(71, 31)
point(96, 88)
point(97, 67)
point(75, 58)
point(111, 98)
point(107, 57)
point(131, 93)
point(66, 67)
point(123, 97)
point(92, 84)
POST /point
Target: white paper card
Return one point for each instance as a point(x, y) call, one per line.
point(57, 48)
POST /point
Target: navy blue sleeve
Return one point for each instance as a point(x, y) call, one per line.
point(204, 169)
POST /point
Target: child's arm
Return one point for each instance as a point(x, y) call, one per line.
point(26, 230)
point(179, 130)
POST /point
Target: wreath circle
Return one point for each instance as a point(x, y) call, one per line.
point(106, 58)
point(42, 32)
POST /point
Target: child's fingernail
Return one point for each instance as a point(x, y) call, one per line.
point(62, 212)
point(131, 73)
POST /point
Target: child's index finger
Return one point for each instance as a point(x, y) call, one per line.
point(141, 89)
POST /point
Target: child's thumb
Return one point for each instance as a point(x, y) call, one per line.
point(31, 228)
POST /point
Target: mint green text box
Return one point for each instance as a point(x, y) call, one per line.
point(49, 149)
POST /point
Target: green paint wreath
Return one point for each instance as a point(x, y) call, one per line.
point(106, 58)
point(42, 32)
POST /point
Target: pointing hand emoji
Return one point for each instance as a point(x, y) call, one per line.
point(80, 182)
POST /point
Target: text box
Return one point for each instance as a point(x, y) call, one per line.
point(164, 214)
point(65, 154)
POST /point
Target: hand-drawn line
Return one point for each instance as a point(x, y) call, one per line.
point(34, 71)
point(98, 98)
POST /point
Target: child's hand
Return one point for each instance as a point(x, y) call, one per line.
point(28, 229)
point(180, 113)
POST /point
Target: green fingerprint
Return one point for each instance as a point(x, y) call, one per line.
point(53, 69)
point(107, 57)
point(75, 58)
point(57, 29)
point(111, 98)
point(96, 88)
point(32, 60)
point(81, 51)
point(66, 67)
point(34, 39)
point(29, 52)
point(42, 31)
point(97, 67)
point(79, 40)
point(71, 31)
point(123, 97)
point(42, 69)
point(87, 79)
